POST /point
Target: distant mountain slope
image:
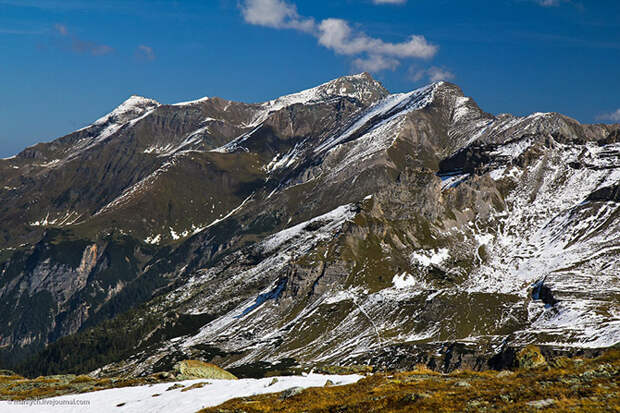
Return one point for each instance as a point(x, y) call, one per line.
point(338, 224)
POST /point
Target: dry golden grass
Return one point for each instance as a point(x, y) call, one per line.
point(579, 386)
point(19, 388)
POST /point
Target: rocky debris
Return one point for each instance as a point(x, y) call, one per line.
point(196, 369)
point(353, 369)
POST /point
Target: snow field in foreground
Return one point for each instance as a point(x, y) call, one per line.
point(140, 399)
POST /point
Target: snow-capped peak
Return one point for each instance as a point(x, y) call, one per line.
point(191, 102)
point(361, 86)
point(130, 109)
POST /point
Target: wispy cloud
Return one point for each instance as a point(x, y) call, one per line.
point(145, 52)
point(370, 53)
point(557, 3)
point(612, 116)
point(375, 63)
point(61, 29)
point(389, 1)
point(86, 47)
point(433, 74)
point(549, 3)
point(80, 46)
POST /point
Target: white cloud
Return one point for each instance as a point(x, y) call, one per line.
point(433, 74)
point(336, 34)
point(372, 54)
point(277, 14)
point(389, 1)
point(613, 116)
point(375, 63)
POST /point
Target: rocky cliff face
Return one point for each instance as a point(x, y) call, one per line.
point(340, 224)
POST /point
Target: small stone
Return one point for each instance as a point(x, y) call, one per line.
point(329, 383)
point(462, 384)
point(505, 373)
point(273, 381)
point(194, 386)
point(541, 404)
point(415, 397)
point(293, 391)
point(156, 395)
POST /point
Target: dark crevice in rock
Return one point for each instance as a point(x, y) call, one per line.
point(609, 193)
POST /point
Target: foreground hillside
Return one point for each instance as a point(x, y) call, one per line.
point(570, 385)
point(562, 384)
point(338, 225)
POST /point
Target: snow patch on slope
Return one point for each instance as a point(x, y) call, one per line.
point(383, 111)
point(429, 258)
point(327, 224)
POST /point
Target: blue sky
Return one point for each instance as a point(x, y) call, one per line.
point(65, 63)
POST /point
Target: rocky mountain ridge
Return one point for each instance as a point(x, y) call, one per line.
point(341, 224)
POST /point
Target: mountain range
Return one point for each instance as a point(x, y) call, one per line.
point(339, 225)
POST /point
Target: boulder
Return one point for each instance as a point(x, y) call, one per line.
point(293, 391)
point(530, 357)
point(196, 369)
